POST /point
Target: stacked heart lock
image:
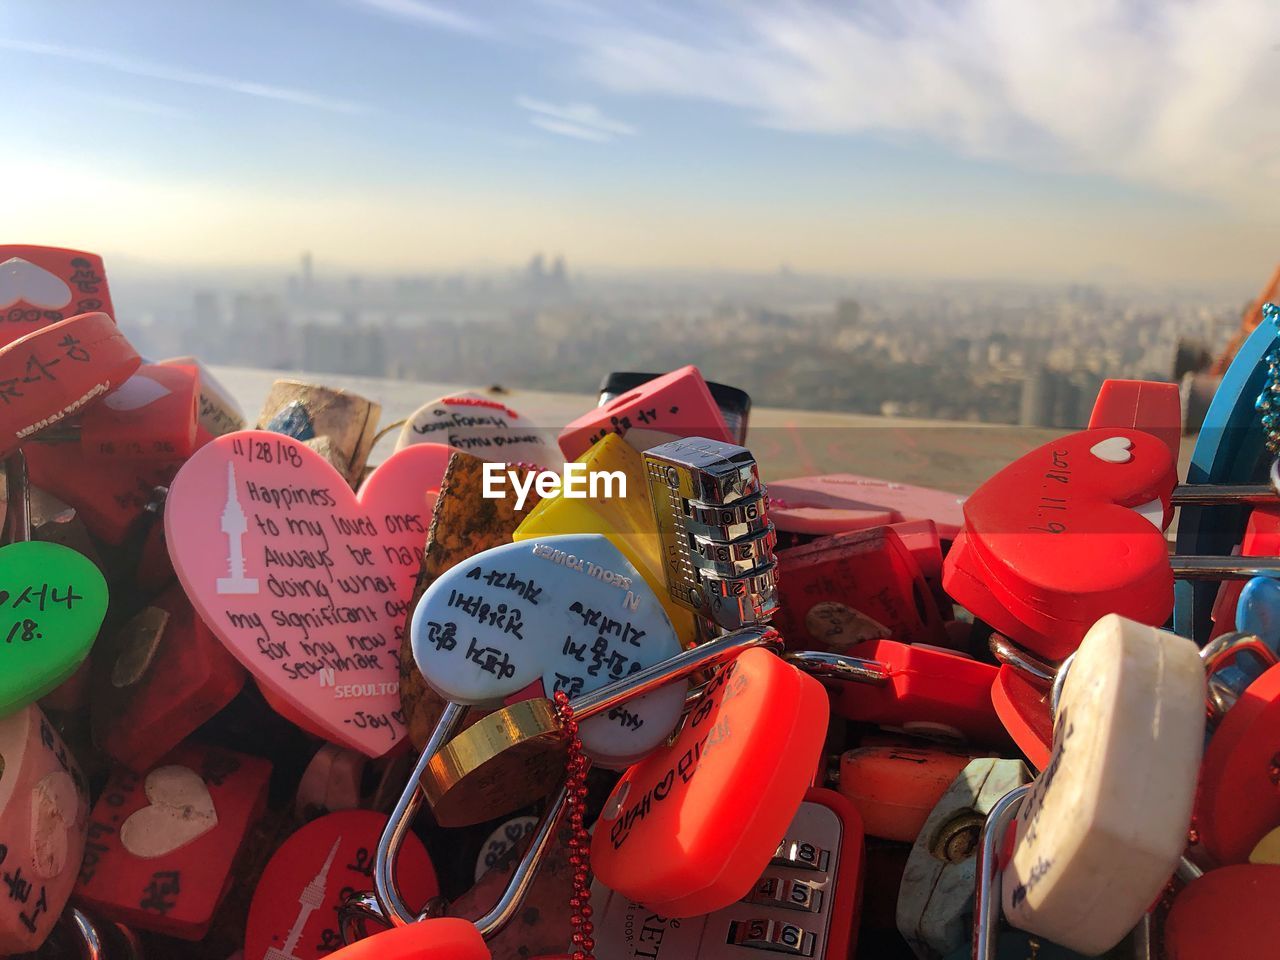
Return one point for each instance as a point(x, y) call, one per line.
point(261, 698)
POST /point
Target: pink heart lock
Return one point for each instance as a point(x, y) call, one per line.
point(305, 582)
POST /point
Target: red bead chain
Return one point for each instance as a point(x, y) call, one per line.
point(579, 846)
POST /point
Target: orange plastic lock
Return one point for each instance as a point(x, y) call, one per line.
point(1023, 707)
point(849, 587)
point(445, 938)
point(931, 692)
point(40, 286)
point(688, 830)
point(896, 787)
point(1230, 912)
point(1238, 802)
point(152, 416)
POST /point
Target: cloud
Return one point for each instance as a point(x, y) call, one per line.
point(1179, 96)
point(155, 71)
point(431, 14)
point(579, 120)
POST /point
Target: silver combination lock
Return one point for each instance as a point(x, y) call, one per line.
point(717, 541)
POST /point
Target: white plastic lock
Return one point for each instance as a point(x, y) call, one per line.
point(1103, 827)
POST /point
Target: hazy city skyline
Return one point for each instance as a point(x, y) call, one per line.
point(1095, 141)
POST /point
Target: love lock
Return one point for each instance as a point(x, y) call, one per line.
point(935, 899)
point(1240, 899)
point(40, 286)
point(483, 428)
point(339, 425)
point(676, 404)
point(304, 582)
point(734, 404)
point(1101, 830)
point(895, 786)
point(805, 904)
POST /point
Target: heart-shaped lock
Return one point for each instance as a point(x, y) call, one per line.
point(689, 830)
point(58, 371)
point(569, 611)
point(483, 428)
point(677, 404)
point(1103, 826)
point(1229, 912)
point(1146, 405)
point(152, 416)
point(43, 812)
point(42, 285)
point(306, 583)
point(839, 502)
point(1261, 538)
point(294, 913)
point(1066, 534)
point(52, 602)
point(1022, 705)
point(161, 846)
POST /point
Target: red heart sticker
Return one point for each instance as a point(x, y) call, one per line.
point(690, 829)
point(294, 913)
point(40, 286)
point(58, 371)
point(1063, 536)
point(306, 583)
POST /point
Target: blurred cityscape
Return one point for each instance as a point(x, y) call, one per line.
point(970, 351)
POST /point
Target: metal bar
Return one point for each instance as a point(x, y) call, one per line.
point(384, 879)
point(837, 666)
point(1223, 568)
point(1059, 679)
point(987, 895)
point(17, 520)
point(1187, 871)
point(1213, 494)
point(1008, 652)
point(669, 671)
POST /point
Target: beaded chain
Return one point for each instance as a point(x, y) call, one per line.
point(1269, 399)
point(579, 846)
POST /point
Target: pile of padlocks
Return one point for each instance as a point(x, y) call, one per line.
point(261, 700)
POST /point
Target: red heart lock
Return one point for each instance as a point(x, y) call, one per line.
point(40, 286)
point(441, 938)
point(1146, 405)
point(294, 912)
point(1023, 707)
point(1228, 912)
point(677, 834)
point(1238, 801)
point(161, 846)
point(1054, 541)
point(59, 371)
point(304, 582)
point(155, 686)
point(930, 692)
point(842, 589)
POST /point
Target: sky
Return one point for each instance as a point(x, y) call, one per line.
point(1084, 140)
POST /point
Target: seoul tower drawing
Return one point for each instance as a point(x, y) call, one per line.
point(235, 525)
point(309, 901)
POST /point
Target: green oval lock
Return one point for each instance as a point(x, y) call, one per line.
point(52, 603)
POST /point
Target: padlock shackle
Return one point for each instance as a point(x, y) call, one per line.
point(87, 931)
point(1218, 652)
point(17, 520)
point(679, 667)
point(987, 893)
point(526, 871)
point(394, 909)
point(1059, 679)
point(1025, 662)
point(838, 666)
